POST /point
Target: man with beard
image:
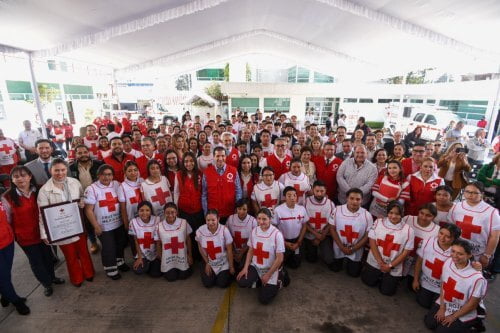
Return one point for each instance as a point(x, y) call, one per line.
point(41, 166)
point(118, 158)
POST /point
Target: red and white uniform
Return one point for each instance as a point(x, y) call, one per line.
point(327, 172)
point(268, 196)
point(382, 190)
point(173, 239)
point(320, 214)
point(106, 204)
point(158, 194)
point(240, 230)
point(205, 161)
point(290, 220)
point(351, 228)
point(145, 234)
point(459, 285)
point(441, 217)
point(433, 259)
point(476, 223)
point(214, 246)
point(392, 240)
point(265, 245)
point(129, 193)
point(417, 192)
point(409, 166)
point(8, 155)
point(93, 145)
point(134, 152)
point(142, 164)
point(300, 183)
point(279, 165)
point(269, 150)
point(421, 235)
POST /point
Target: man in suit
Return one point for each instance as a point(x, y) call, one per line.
point(346, 150)
point(40, 167)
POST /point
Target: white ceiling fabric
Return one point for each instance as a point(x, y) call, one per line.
point(371, 38)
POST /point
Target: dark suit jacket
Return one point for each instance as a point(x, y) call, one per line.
point(389, 147)
point(37, 169)
point(341, 155)
point(73, 168)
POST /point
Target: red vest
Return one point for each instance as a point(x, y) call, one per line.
point(221, 190)
point(142, 164)
point(6, 234)
point(278, 167)
point(118, 166)
point(233, 158)
point(25, 220)
point(327, 173)
point(171, 179)
point(189, 197)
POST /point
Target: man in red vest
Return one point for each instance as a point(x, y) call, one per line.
point(326, 169)
point(148, 150)
point(118, 158)
point(232, 153)
point(279, 161)
point(221, 186)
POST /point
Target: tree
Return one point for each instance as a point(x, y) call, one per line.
point(248, 73)
point(226, 72)
point(214, 91)
point(183, 82)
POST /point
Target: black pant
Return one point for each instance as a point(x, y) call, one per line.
point(30, 156)
point(41, 262)
point(90, 230)
point(292, 259)
point(68, 143)
point(266, 293)
point(456, 327)
point(112, 253)
point(152, 268)
point(195, 221)
point(6, 287)
point(176, 274)
point(426, 297)
point(387, 283)
point(221, 280)
point(325, 249)
point(353, 268)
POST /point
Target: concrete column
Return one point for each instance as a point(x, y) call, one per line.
point(36, 94)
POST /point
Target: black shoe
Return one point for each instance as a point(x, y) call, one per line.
point(478, 326)
point(21, 307)
point(115, 277)
point(90, 279)
point(5, 303)
point(48, 291)
point(58, 280)
point(124, 268)
point(489, 276)
point(78, 285)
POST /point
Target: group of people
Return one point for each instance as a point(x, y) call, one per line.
point(252, 197)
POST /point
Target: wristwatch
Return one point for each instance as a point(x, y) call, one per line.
point(488, 256)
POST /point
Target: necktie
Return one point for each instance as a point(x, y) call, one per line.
point(46, 167)
point(327, 161)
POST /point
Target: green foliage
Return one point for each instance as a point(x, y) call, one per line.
point(226, 72)
point(375, 124)
point(248, 73)
point(213, 90)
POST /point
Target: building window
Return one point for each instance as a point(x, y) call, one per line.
point(322, 107)
point(417, 101)
point(350, 100)
point(52, 65)
point(384, 100)
point(322, 78)
point(210, 74)
point(249, 105)
point(431, 101)
point(466, 109)
point(366, 100)
point(277, 104)
point(302, 75)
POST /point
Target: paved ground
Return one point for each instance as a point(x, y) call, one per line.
point(316, 301)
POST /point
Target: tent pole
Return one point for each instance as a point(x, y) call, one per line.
point(36, 95)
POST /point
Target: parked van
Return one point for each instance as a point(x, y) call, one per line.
point(434, 123)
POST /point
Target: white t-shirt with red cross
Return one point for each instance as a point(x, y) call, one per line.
point(320, 214)
point(268, 196)
point(106, 204)
point(129, 193)
point(421, 234)
point(351, 228)
point(173, 239)
point(392, 240)
point(240, 230)
point(265, 246)
point(93, 146)
point(458, 286)
point(290, 220)
point(158, 194)
point(300, 183)
point(8, 150)
point(433, 259)
point(476, 222)
point(145, 235)
point(214, 246)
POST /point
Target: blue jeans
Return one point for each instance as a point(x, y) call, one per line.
point(6, 287)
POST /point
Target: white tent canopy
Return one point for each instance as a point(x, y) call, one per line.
point(368, 39)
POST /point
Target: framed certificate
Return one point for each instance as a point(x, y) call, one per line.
point(62, 221)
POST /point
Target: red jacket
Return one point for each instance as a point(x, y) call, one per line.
point(221, 190)
point(233, 158)
point(327, 173)
point(118, 166)
point(278, 167)
point(25, 220)
point(189, 197)
point(6, 234)
point(68, 131)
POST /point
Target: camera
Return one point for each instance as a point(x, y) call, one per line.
point(464, 150)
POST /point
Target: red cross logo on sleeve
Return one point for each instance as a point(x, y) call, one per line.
point(93, 148)
point(297, 189)
point(238, 240)
point(110, 202)
point(388, 245)
point(317, 220)
point(174, 245)
point(135, 199)
point(349, 234)
point(450, 292)
point(260, 253)
point(6, 149)
point(212, 250)
point(467, 227)
point(416, 243)
point(160, 196)
point(268, 201)
point(436, 267)
point(147, 241)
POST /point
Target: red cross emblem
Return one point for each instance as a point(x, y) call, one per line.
point(467, 227)
point(317, 220)
point(6, 149)
point(160, 196)
point(238, 240)
point(268, 201)
point(137, 198)
point(297, 189)
point(436, 267)
point(335, 167)
point(434, 185)
point(450, 292)
point(174, 245)
point(416, 243)
point(388, 245)
point(349, 234)
point(147, 241)
point(93, 148)
point(212, 250)
point(110, 202)
point(260, 253)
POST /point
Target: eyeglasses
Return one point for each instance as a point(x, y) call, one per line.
point(437, 145)
point(280, 146)
point(268, 175)
point(419, 151)
point(472, 193)
point(107, 174)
